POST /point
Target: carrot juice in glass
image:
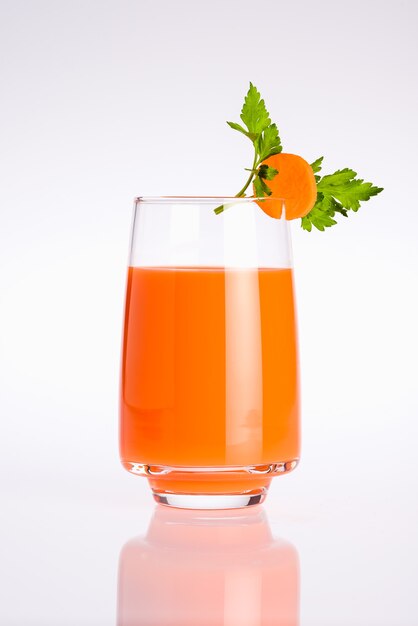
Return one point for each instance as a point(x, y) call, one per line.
point(209, 386)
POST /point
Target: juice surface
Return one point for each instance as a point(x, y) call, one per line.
point(209, 368)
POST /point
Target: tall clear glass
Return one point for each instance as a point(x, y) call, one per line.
point(210, 385)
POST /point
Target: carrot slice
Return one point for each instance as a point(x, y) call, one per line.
point(295, 183)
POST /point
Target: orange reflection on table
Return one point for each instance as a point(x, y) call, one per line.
point(208, 568)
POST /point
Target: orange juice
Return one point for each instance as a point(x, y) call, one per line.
point(209, 370)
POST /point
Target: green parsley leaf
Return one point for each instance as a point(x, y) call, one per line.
point(338, 208)
point(264, 171)
point(254, 113)
point(265, 139)
point(320, 215)
point(239, 128)
point(261, 188)
point(339, 192)
point(317, 165)
point(338, 178)
point(268, 143)
point(347, 189)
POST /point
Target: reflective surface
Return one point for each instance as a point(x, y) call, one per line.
point(327, 549)
point(208, 568)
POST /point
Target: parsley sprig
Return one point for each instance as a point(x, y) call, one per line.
point(265, 139)
point(337, 193)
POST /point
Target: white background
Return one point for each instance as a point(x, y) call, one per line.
point(105, 100)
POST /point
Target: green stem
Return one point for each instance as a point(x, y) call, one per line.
point(242, 191)
point(250, 178)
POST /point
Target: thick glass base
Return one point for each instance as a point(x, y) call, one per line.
point(213, 501)
point(210, 487)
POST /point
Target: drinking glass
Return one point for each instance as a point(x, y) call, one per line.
point(209, 385)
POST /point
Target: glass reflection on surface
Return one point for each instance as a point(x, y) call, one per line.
point(208, 568)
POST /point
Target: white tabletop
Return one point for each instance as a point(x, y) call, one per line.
point(344, 529)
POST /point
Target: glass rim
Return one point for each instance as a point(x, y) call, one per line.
point(203, 199)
